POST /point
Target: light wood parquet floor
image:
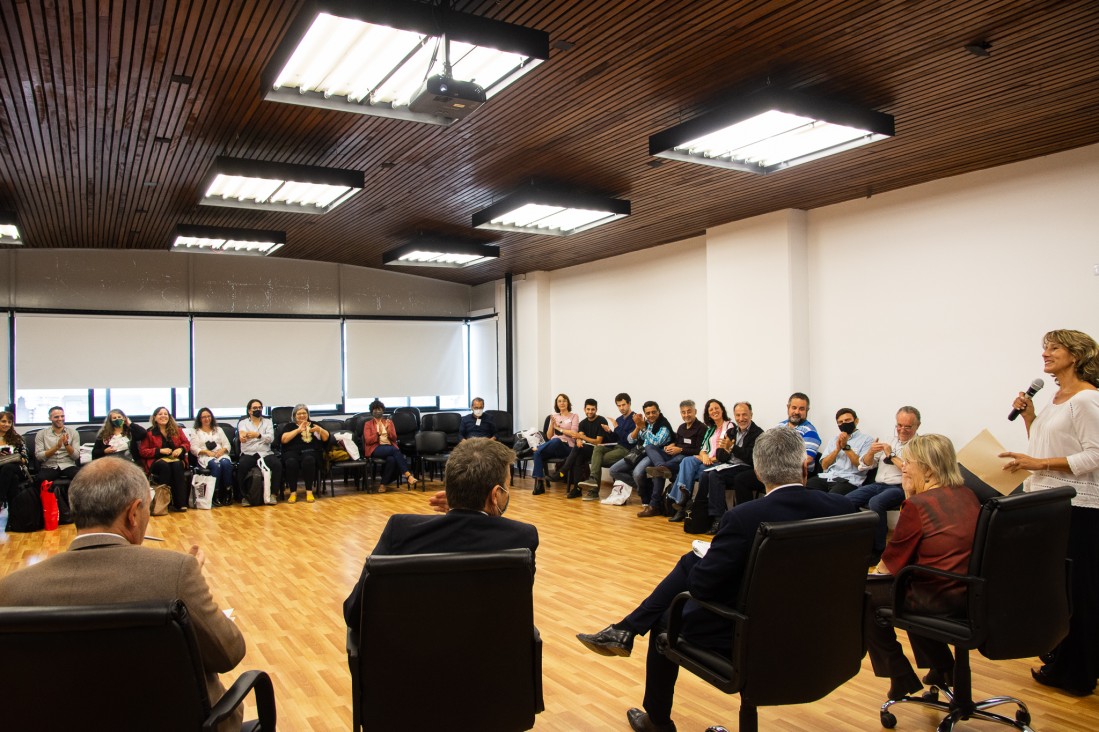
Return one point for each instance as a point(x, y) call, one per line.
point(286, 570)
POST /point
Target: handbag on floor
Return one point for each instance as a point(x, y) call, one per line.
point(25, 509)
point(202, 491)
point(162, 498)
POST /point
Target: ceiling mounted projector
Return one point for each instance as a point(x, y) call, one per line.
point(447, 97)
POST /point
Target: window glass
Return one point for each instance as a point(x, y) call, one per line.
point(33, 405)
point(453, 402)
point(140, 402)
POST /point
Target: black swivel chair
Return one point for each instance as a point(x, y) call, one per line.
point(401, 597)
point(1018, 600)
point(798, 621)
point(126, 667)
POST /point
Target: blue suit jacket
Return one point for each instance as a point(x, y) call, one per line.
point(460, 530)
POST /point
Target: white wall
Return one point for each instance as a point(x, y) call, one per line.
point(935, 295)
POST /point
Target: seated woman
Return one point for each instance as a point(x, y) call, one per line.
point(211, 448)
point(380, 441)
point(164, 454)
point(303, 443)
point(718, 426)
point(119, 437)
point(935, 529)
point(558, 440)
point(12, 469)
point(256, 433)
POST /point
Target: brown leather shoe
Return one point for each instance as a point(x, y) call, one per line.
point(648, 511)
point(640, 722)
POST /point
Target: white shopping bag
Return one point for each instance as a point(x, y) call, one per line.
point(202, 491)
point(620, 493)
point(346, 440)
point(268, 499)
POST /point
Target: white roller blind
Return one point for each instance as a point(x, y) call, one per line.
point(405, 358)
point(98, 351)
point(4, 351)
point(280, 361)
point(483, 373)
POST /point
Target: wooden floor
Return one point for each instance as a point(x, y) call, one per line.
point(286, 570)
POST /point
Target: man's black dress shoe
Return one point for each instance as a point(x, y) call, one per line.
point(608, 642)
point(714, 527)
point(1045, 678)
point(939, 678)
point(902, 687)
point(640, 722)
point(680, 514)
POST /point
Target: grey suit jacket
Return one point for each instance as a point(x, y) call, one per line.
point(105, 569)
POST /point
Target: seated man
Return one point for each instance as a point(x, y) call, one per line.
point(588, 434)
point(57, 449)
point(780, 462)
point(106, 564)
point(886, 493)
point(665, 460)
point(843, 458)
point(477, 424)
point(652, 430)
point(614, 447)
point(734, 456)
point(745, 486)
point(477, 479)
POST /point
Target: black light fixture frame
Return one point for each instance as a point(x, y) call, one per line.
point(229, 233)
point(443, 244)
point(663, 144)
point(282, 171)
point(549, 196)
point(418, 17)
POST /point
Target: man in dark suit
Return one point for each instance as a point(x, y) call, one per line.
point(106, 564)
point(780, 463)
point(478, 477)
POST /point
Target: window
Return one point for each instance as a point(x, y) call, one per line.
point(33, 405)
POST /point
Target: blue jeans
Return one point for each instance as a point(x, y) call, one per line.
point(222, 469)
point(394, 458)
point(658, 458)
point(634, 476)
point(879, 498)
point(555, 448)
point(690, 468)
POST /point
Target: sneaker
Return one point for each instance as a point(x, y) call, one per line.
point(293, 497)
point(592, 494)
point(589, 483)
point(245, 502)
point(574, 492)
point(309, 497)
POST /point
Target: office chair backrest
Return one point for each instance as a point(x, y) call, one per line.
point(463, 622)
point(281, 415)
point(450, 423)
point(1019, 550)
point(86, 434)
point(406, 424)
point(431, 442)
point(410, 411)
point(126, 667)
point(505, 431)
point(803, 595)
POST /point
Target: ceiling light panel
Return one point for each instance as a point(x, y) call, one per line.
point(554, 211)
point(255, 184)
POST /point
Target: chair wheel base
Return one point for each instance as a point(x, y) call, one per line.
point(888, 720)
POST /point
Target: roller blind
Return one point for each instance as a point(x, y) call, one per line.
point(99, 351)
point(484, 379)
point(280, 361)
point(405, 358)
point(4, 353)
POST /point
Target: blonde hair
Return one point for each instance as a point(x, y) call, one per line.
point(936, 453)
point(1082, 347)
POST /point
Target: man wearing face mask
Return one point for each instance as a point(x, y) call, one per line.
point(478, 477)
point(842, 457)
point(477, 424)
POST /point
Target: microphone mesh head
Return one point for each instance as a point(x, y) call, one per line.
point(1036, 385)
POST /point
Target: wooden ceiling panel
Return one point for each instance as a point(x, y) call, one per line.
point(111, 116)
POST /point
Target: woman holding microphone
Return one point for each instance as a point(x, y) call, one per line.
point(1063, 449)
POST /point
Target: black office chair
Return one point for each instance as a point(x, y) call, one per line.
point(1018, 600)
point(797, 626)
point(280, 416)
point(505, 432)
point(406, 420)
point(401, 597)
point(126, 667)
point(451, 424)
point(88, 433)
point(355, 469)
point(431, 451)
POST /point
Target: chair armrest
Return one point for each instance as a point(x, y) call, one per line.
point(905, 576)
point(257, 681)
point(675, 614)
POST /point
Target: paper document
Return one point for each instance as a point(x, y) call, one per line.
point(700, 547)
point(980, 458)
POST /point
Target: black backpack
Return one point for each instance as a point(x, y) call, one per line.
point(697, 519)
point(253, 486)
point(25, 509)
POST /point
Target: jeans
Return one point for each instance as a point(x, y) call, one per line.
point(394, 458)
point(658, 458)
point(634, 476)
point(690, 468)
point(222, 469)
point(605, 455)
point(555, 448)
point(879, 498)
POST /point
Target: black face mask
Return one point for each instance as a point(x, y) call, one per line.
point(211, 445)
point(257, 413)
point(847, 427)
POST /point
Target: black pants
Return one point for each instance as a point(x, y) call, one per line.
point(717, 482)
point(839, 485)
point(171, 474)
point(45, 474)
point(303, 464)
point(1076, 659)
point(11, 475)
point(886, 655)
point(249, 461)
point(746, 485)
point(577, 463)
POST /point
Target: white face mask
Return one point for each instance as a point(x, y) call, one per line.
point(478, 412)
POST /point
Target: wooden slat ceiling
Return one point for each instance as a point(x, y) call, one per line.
point(113, 111)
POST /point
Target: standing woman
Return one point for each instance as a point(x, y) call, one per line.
point(1064, 450)
point(560, 439)
point(14, 469)
point(119, 437)
point(164, 453)
point(211, 448)
point(380, 441)
point(302, 442)
point(256, 433)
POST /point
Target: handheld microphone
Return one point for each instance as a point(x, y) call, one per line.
point(1035, 387)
